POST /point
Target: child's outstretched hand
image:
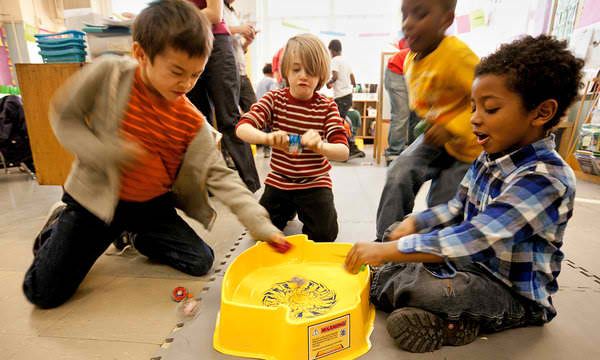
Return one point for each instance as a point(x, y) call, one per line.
point(372, 253)
point(278, 139)
point(311, 140)
point(406, 227)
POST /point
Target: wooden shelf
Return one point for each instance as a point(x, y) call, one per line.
point(362, 104)
point(38, 83)
point(587, 177)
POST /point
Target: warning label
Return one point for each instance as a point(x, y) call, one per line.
point(328, 337)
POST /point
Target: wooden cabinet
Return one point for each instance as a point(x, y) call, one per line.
point(366, 105)
point(38, 82)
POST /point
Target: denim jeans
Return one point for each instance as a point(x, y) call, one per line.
point(344, 103)
point(73, 243)
point(247, 95)
point(472, 292)
point(405, 175)
point(400, 129)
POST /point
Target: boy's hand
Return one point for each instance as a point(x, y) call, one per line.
point(406, 227)
point(133, 153)
point(278, 139)
point(437, 135)
point(247, 31)
point(311, 140)
point(375, 254)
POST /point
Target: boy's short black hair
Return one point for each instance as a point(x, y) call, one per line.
point(449, 5)
point(335, 45)
point(178, 24)
point(268, 68)
point(538, 69)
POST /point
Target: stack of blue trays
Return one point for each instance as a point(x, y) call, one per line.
point(66, 46)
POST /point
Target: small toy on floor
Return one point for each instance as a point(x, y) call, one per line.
point(179, 294)
point(188, 307)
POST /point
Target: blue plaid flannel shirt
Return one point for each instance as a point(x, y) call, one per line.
point(509, 216)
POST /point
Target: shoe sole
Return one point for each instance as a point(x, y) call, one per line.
point(465, 332)
point(53, 215)
point(354, 156)
point(417, 331)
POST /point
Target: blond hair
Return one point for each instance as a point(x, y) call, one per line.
point(311, 53)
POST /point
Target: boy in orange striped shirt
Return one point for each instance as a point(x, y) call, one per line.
point(143, 151)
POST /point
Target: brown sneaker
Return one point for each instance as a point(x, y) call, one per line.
point(420, 331)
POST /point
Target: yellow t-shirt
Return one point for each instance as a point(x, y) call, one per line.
point(439, 88)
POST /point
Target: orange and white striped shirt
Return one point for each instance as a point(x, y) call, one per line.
point(164, 129)
point(279, 110)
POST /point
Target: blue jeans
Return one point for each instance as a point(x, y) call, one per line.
point(73, 243)
point(472, 293)
point(407, 173)
point(399, 134)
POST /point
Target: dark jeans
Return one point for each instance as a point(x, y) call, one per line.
point(344, 103)
point(218, 89)
point(73, 243)
point(247, 95)
point(315, 209)
point(472, 292)
point(407, 173)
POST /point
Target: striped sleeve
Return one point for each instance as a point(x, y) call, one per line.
point(333, 127)
point(450, 213)
point(525, 208)
point(260, 114)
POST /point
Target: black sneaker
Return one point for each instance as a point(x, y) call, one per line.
point(389, 159)
point(355, 152)
point(420, 331)
point(51, 219)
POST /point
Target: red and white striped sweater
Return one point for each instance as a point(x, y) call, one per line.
point(279, 110)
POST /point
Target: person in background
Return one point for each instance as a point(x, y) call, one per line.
point(243, 35)
point(489, 259)
point(266, 84)
point(276, 65)
point(342, 81)
point(218, 89)
point(438, 91)
point(142, 150)
point(299, 181)
point(400, 133)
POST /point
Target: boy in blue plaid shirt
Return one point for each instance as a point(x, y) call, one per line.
point(489, 259)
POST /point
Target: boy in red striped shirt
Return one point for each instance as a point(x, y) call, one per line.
point(300, 183)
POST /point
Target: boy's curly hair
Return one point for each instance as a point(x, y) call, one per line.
point(538, 69)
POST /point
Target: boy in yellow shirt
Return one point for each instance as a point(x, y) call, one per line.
point(439, 71)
